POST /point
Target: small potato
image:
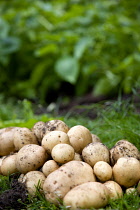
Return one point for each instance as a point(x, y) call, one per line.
point(115, 190)
point(7, 141)
point(95, 152)
point(79, 137)
point(1, 159)
point(123, 148)
point(131, 190)
point(8, 165)
point(53, 138)
point(69, 175)
point(30, 157)
point(38, 130)
point(103, 171)
point(87, 195)
point(126, 171)
point(22, 137)
point(95, 138)
point(56, 125)
point(77, 156)
point(62, 153)
point(49, 166)
point(33, 180)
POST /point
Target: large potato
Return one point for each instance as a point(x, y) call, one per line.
point(95, 152)
point(87, 195)
point(53, 138)
point(123, 148)
point(126, 171)
point(24, 136)
point(69, 175)
point(79, 137)
point(62, 153)
point(7, 141)
point(30, 157)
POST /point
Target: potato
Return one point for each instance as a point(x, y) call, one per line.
point(115, 190)
point(8, 165)
point(123, 148)
point(56, 125)
point(77, 156)
point(1, 159)
point(33, 180)
point(69, 175)
point(126, 171)
point(38, 129)
point(131, 190)
point(53, 138)
point(49, 166)
point(7, 141)
point(103, 171)
point(24, 136)
point(95, 152)
point(87, 195)
point(95, 138)
point(30, 157)
point(79, 137)
point(62, 153)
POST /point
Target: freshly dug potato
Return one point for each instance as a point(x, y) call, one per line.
point(95, 152)
point(32, 181)
point(1, 159)
point(56, 125)
point(62, 153)
point(77, 156)
point(87, 195)
point(95, 138)
point(8, 165)
point(49, 166)
point(30, 157)
point(38, 130)
point(131, 190)
point(53, 138)
point(22, 137)
point(115, 190)
point(7, 141)
point(103, 171)
point(79, 137)
point(69, 175)
point(123, 148)
point(126, 171)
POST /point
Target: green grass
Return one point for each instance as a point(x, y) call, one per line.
point(116, 120)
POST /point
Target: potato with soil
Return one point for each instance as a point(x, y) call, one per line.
point(87, 195)
point(7, 141)
point(33, 180)
point(24, 136)
point(95, 138)
point(53, 138)
point(8, 165)
point(38, 130)
point(62, 180)
point(95, 152)
point(103, 171)
point(79, 137)
point(30, 157)
point(123, 148)
point(115, 190)
point(56, 125)
point(126, 171)
point(49, 166)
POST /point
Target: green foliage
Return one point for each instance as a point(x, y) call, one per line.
point(93, 45)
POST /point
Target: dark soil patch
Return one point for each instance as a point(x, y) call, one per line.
point(14, 197)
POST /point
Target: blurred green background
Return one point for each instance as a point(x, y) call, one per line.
point(63, 48)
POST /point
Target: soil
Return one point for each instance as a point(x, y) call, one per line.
point(15, 196)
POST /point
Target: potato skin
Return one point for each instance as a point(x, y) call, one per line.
point(126, 171)
point(69, 175)
point(56, 125)
point(95, 152)
point(87, 195)
point(38, 130)
point(30, 157)
point(79, 137)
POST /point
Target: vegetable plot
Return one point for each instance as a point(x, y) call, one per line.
point(72, 165)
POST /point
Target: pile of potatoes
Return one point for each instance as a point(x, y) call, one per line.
point(71, 165)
